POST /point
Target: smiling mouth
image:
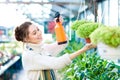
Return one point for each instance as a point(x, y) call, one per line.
point(40, 38)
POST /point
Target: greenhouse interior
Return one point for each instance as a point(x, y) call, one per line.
point(59, 25)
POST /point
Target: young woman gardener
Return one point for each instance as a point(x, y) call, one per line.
point(38, 58)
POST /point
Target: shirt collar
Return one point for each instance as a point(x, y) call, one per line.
point(31, 46)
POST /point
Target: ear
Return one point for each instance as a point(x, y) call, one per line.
point(25, 40)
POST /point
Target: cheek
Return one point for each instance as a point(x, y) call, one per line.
point(32, 37)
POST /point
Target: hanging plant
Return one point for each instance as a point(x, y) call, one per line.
point(108, 42)
point(77, 24)
point(107, 35)
point(86, 29)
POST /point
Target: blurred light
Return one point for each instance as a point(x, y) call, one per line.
point(13, 14)
point(8, 15)
point(2, 0)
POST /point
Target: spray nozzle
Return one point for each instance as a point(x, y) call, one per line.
point(57, 15)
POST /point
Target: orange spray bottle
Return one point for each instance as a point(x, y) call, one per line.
point(59, 31)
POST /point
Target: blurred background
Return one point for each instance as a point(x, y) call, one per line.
point(41, 12)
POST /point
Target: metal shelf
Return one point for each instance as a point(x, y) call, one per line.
point(10, 63)
point(4, 41)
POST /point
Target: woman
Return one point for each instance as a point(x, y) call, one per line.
point(38, 58)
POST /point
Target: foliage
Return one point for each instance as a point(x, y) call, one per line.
point(77, 23)
point(107, 35)
point(13, 48)
point(90, 67)
point(86, 29)
point(72, 47)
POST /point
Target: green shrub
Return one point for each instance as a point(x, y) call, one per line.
point(91, 67)
point(88, 67)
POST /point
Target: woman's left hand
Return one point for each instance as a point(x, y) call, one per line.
point(90, 45)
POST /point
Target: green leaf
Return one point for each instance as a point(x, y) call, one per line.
point(107, 35)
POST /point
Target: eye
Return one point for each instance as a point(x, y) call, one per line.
point(38, 29)
point(34, 33)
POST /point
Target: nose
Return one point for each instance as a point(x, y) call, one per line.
point(39, 33)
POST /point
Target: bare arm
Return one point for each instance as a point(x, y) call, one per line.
point(85, 48)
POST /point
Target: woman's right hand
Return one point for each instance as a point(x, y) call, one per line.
point(60, 19)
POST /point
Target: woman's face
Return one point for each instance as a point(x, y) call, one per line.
point(35, 34)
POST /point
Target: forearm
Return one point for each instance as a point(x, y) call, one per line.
point(85, 48)
point(77, 53)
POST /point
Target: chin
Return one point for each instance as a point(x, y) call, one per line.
point(40, 41)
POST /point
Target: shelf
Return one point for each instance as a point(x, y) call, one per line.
point(10, 63)
point(4, 41)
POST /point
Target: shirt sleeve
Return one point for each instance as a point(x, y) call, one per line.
point(54, 48)
point(39, 62)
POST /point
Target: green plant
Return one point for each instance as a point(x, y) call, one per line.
point(72, 47)
point(77, 23)
point(107, 35)
point(89, 67)
point(11, 48)
point(86, 29)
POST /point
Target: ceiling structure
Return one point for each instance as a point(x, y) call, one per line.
point(41, 11)
point(44, 10)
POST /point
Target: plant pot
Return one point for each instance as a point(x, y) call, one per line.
point(108, 53)
point(87, 40)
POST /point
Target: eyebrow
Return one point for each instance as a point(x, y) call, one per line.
point(34, 30)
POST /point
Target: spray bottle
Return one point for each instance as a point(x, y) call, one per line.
point(59, 31)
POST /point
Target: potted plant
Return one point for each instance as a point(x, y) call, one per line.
point(86, 29)
point(77, 23)
point(108, 42)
